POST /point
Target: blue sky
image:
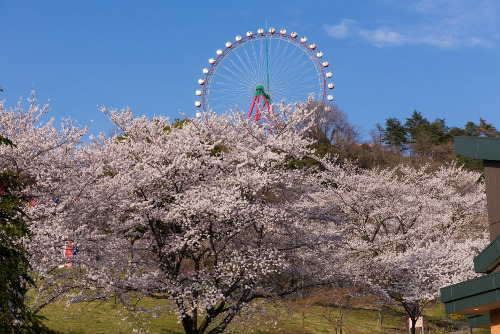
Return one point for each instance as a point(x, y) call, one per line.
point(388, 57)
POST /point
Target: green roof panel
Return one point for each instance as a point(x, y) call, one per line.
point(469, 288)
point(478, 147)
point(479, 321)
point(489, 258)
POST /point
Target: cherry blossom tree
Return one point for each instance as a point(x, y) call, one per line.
point(213, 214)
point(407, 232)
point(204, 213)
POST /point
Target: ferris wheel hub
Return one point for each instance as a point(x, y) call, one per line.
point(260, 90)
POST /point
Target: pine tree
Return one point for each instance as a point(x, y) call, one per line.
point(395, 132)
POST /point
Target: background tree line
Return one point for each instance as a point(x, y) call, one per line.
point(414, 141)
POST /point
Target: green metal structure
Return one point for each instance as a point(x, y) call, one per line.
point(477, 297)
point(478, 147)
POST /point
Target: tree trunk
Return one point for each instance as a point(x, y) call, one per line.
point(379, 322)
point(189, 325)
point(413, 322)
point(341, 323)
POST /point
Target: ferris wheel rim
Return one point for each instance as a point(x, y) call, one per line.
point(222, 55)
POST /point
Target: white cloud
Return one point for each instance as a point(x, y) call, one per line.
point(439, 23)
point(382, 36)
point(340, 30)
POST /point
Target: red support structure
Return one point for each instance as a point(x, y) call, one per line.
point(259, 109)
point(251, 108)
point(268, 107)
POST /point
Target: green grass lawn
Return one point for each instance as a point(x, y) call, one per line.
point(98, 317)
point(294, 318)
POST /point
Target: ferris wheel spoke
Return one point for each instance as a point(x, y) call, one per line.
point(300, 96)
point(228, 87)
point(275, 54)
point(223, 100)
point(256, 55)
point(257, 63)
point(243, 94)
point(296, 90)
point(287, 55)
point(281, 61)
point(226, 93)
point(232, 79)
point(261, 58)
point(244, 75)
point(231, 87)
point(254, 70)
point(238, 78)
point(302, 88)
point(223, 87)
point(223, 104)
point(288, 64)
point(300, 66)
point(278, 60)
point(287, 80)
point(245, 67)
point(255, 60)
point(296, 72)
point(308, 60)
point(291, 75)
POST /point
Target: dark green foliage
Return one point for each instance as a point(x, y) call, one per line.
point(305, 162)
point(15, 280)
point(6, 141)
point(420, 130)
point(470, 164)
point(416, 125)
point(178, 123)
point(218, 150)
point(456, 131)
point(395, 132)
point(470, 128)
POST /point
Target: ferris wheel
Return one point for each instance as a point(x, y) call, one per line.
point(261, 69)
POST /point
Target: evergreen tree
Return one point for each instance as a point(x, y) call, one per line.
point(395, 132)
point(439, 132)
point(15, 279)
point(415, 125)
point(470, 128)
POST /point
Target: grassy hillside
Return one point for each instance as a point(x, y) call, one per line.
point(293, 318)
